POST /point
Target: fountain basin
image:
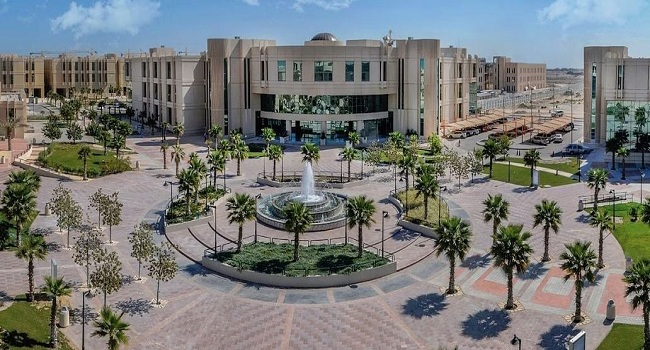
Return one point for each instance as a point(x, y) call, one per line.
point(327, 209)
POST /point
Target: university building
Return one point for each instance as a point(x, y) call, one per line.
point(66, 74)
point(505, 75)
point(23, 73)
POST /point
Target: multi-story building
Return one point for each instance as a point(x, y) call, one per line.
point(508, 76)
point(23, 73)
point(169, 87)
point(68, 73)
point(13, 106)
point(326, 87)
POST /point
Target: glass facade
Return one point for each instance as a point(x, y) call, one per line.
point(323, 70)
point(629, 118)
point(349, 71)
point(282, 70)
point(324, 104)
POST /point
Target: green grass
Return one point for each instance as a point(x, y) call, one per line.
point(521, 176)
point(632, 236)
point(28, 326)
point(314, 260)
point(177, 212)
point(568, 164)
point(416, 208)
point(623, 337)
point(63, 156)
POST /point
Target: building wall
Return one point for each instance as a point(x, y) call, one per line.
point(21, 73)
point(92, 72)
point(503, 74)
point(16, 102)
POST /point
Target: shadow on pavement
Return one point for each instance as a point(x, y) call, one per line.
point(486, 324)
point(534, 271)
point(134, 307)
point(195, 270)
point(556, 337)
point(76, 315)
point(405, 235)
point(476, 261)
point(425, 305)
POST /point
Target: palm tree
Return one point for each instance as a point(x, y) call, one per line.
point(241, 208)
point(186, 180)
point(111, 325)
point(26, 177)
point(217, 162)
point(549, 215)
point(348, 155)
point(310, 153)
point(354, 138)
point(17, 204)
point(178, 130)
point(83, 154)
point(531, 158)
point(643, 145)
point(597, 180)
point(268, 135)
point(178, 154)
point(214, 132)
point(163, 148)
point(10, 126)
point(426, 185)
point(118, 142)
point(512, 253)
point(623, 153)
point(491, 149)
point(603, 221)
point(645, 212)
point(104, 137)
point(407, 165)
point(638, 287)
point(239, 150)
point(611, 146)
point(32, 247)
point(359, 212)
point(454, 237)
point(197, 166)
point(274, 154)
point(496, 209)
point(55, 288)
point(579, 263)
point(298, 220)
point(640, 120)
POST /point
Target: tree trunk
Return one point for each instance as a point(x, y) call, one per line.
point(164, 159)
point(53, 335)
point(613, 161)
point(546, 258)
point(596, 191)
point(158, 292)
point(139, 265)
point(19, 230)
point(104, 147)
point(273, 170)
point(360, 241)
point(531, 176)
point(601, 264)
point(646, 327)
point(238, 167)
point(10, 134)
point(577, 318)
point(296, 247)
point(68, 241)
point(491, 158)
point(452, 275)
point(85, 168)
point(426, 208)
point(187, 202)
point(349, 162)
point(495, 226)
point(104, 300)
point(30, 275)
point(510, 302)
point(240, 237)
point(110, 234)
point(623, 177)
point(177, 165)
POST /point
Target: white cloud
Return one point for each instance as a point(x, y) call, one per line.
point(573, 12)
point(333, 5)
point(110, 16)
point(252, 2)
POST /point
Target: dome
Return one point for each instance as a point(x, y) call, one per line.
point(324, 37)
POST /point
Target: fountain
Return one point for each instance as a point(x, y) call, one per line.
point(327, 209)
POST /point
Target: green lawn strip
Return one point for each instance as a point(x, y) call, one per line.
point(314, 260)
point(177, 214)
point(521, 176)
point(567, 165)
point(416, 208)
point(632, 236)
point(28, 327)
point(623, 337)
point(64, 156)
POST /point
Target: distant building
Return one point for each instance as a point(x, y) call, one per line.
point(67, 74)
point(13, 106)
point(505, 75)
point(23, 73)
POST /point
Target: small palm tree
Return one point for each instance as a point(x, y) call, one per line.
point(186, 181)
point(275, 153)
point(496, 210)
point(55, 288)
point(407, 165)
point(611, 146)
point(83, 154)
point(214, 132)
point(360, 210)
point(597, 180)
point(17, 204)
point(454, 237)
point(354, 138)
point(197, 166)
point(531, 158)
point(163, 148)
point(32, 247)
point(603, 221)
point(310, 153)
point(178, 130)
point(491, 149)
point(638, 287)
point(298, 220)
point(645, 212)
point(241, 208)
point(268, 135)
point(643, 145)
point(217, 162)
point(426, 185)
point(549, 215)
point(579, 263)
point(238, 150)
point(25, 177)
point(111, 325)
point(178, 154)
point(623, 153)
point(512, 253)
point(348, 155)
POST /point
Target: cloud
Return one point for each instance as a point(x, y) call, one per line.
point(333, 5)
point(574, 12)
point(110, 16)
point(252, 2)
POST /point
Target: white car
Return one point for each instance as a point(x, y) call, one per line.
point(575, 148)
point(458, 135)
point(557, 138)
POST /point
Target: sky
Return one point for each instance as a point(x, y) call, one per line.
point(536, 31)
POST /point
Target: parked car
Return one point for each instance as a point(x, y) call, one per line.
point(575, 148)
point(540, 140)
point(458, 135)
point(557, 138)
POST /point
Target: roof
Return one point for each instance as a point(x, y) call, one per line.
point(324, 37)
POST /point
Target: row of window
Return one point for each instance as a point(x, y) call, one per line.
point(8, 65)
point(170, 91)
point(86, 65)
point(525, 70)
point(323, 70)
point(145, 69)
point(324, 104)
point(85, 78)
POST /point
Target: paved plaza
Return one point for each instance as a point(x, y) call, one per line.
point(406, 310)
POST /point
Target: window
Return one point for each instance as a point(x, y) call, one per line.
point(155, 90)
point(26, 65)
point(349, 70)
point(127, 69)
point(76, 66)
point(93, 77)
point(155, 69)
point(282, 70)
point(365, 71)
point(262, 71)
point(620, 78)
point(297, 70)
point(93, 65)
point(144, 89)
point(169, 70)
point(460, 70)
point(76, 77)
point(474, 70)
point(383, 74)
point(144, 69)
point(460, 90)
point(169, 93)
point(32, 65)
point(32, 77)
point(323, 70)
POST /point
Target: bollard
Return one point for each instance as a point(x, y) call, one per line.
point(48, 210)
point(611, 310)
point(64, 317)
point(137, 165)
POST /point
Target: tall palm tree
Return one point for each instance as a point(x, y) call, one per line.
point(268, 135)
point(83, 154)
point(186, 180)
point(274, 154)
point(643, 146)
point(217, 162)
point(17, 204)
point(111, 325)
point(454, 237)
point(638, 287)
point(198, 166)
point(426, 186)
point(178, 154)
point(496, 210)
point(32, 247)
point(55, 288)
point(117, 143)
point(214, 132)
point(640, 120)
point(163, 148)
point(239, 150)
point(310, 153)
point(491, 149)
point(359, 212)
point(579, 263)
point(597, 180)
point(26, 177)
point(603, 221)
point(241, 208)
point(407, 165)
point(298, 220)
point(178, 130)
point(512, 253)
point(348, 155)
point(623, 153)
point(531, 158)
point(611, 146)
point(549, 215)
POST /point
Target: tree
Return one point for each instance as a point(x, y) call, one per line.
point(531, 158)
point(111, 325)
point(548, 215)
point(241, 208)
point(511, 253)
point(83, 154)
point(178, 130)
point(454, 238)
point(407, 165)
point(186, 180)
point(99, 201)
point(496, 209)
point(104, 137)
point(178, 154)
point(214, 132)
point(504, 145)
point(32, 247)
point(373, 155)
point(623, 153)
point(611, 146)
point(579, 263)
point(68, 212)
point(74, 132)
point(426, 186)
point(474, 161)
point(112, 214)
point(107, 275)
point(435, 144)
point(458, 166)
point(348, 155)
point(10, 126)
point(51, 130)
point(26, 177)
point(491, 149)
point(55, 289)
point(239, 150)
point(162, 265)
point(217, 163)
point(275, 153)
point(142, 244)
point(597, 180)
point(93, 129)
point(645, 212)
point(396, 138)
point(643, 145)
point(310, 153)
point(200, 170)
point(603, 221)
point(268, 135)
point(18, 204)
point(117, 143)
point(638, 287)
point(298, 220)
point(84, 251)
point(354, 138)
point(360, 210)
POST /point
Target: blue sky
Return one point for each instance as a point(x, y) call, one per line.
point(545, 31)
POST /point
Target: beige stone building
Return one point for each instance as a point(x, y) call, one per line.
point(508, 76)
point(23, 73)
point(13, 106)
point(68, 73)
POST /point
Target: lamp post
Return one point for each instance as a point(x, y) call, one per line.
point(346, 220)
point(206, 191)
point(571, 115)
point(83, 319)
point(578, 165)
point(508, 167)
point(363, 152)
point(384, 215)
point(395, 177)
point(282, 166)
point(642, 176)
point(171, 188)
point(440, 189)
point(341, 160)
point(214, 214)
point(614, 210)
point(406, 197)
point(256, 199)
point(516, 340)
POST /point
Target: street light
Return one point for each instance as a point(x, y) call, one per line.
point(363, 152)
point(614, 209)
point(516, 340)
point(346, 220)
point(171, 188)
point(214, 206)
point(83, 319)
point(508, 167)
point(571, 115)
point(384, 215)
point(257, 197)
point(440, 189)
